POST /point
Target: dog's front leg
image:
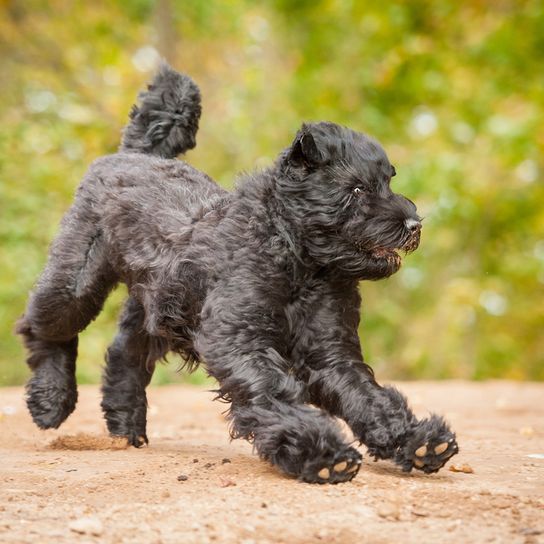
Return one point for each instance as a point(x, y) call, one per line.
point(341, 383)
point(242, 340)
point(381, 418)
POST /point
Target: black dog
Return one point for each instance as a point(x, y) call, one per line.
point(259, 284)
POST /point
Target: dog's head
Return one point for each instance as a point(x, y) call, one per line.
point(337, 185)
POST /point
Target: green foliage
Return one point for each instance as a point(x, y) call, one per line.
point(453, 90)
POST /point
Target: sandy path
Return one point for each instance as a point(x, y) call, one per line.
point(229, 496)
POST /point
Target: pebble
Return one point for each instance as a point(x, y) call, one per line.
point(389, 511)
point(536, 455)
point(87, 525)
point(466, 468)
point(527, 431)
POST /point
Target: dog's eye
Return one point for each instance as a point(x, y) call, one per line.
point(358, 191)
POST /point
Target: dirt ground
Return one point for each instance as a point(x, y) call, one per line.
point(191, 485)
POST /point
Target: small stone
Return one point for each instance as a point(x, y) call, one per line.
point(466, 468)
point(86, 525)
point(183, 478)
point(389, 511)
point(225, 461)
point(195, 460)
point(8, 410)
point(530, 531)
point(527, 431)
point(226, 482)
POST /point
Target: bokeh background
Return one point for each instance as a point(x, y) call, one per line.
point(454, 89)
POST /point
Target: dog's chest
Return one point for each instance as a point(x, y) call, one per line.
point(300, 312)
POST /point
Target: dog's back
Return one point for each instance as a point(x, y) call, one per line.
point(148, 207)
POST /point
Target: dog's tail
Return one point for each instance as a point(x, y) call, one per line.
point(166, 120)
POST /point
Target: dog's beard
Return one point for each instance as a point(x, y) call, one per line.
point(389, 242)
point(412, 242)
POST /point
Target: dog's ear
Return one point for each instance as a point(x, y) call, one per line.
point(304, 151)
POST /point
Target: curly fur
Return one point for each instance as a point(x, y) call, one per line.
point(260, 285)
point(166, 121)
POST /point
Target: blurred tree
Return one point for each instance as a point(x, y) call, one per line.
point(453, 89)
point(167, 38)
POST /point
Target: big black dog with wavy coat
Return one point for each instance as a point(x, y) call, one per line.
point(260, 285)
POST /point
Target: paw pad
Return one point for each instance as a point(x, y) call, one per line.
point(340, 472)
point(432, 459)
point(422, 451)
point(339, 467)
point(324, 473)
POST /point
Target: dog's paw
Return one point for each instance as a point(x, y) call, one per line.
point(135, 439)
point(343, 467)
point(50, 399)
point(138, 440)
point(431, 458)
point(429, 448)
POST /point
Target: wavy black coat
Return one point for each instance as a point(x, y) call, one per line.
point(260, 285)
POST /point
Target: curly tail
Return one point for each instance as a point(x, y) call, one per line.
point(166, 120)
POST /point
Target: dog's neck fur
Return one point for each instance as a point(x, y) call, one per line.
point(273, 217)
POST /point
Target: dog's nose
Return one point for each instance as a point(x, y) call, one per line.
point(412, 225)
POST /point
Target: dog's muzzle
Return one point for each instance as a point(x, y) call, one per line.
point(414, 228)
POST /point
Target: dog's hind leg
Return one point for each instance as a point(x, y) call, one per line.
point(51, 391)
point(130, 363)
point(68, 296)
